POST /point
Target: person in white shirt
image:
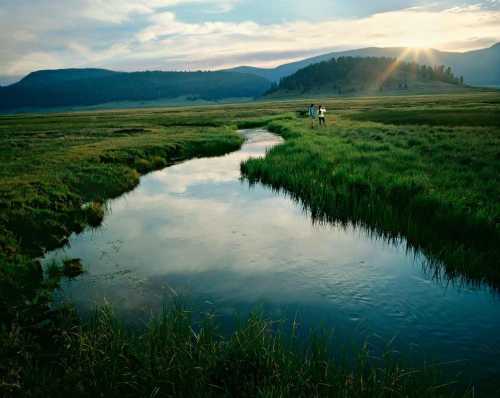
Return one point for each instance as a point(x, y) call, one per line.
point(322, 115)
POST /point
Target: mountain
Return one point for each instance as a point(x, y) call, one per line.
point(87, 87)
point(83, 87)
point(352, 75)
point(479, 67)
point(44, 78)
point(6, 80)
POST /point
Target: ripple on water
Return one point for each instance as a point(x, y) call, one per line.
point(196, 230)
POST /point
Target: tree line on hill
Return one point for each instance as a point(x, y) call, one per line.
point(349, 74)
point(83, 87)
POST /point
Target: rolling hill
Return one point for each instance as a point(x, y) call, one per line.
point(84, 87)
point(479, 67)
point(93, 87)
point(365, 75)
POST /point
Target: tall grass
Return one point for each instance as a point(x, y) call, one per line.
point(435, 187)
point(174, 357)
point(58, 171)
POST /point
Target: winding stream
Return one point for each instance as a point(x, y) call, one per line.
point(197, 230)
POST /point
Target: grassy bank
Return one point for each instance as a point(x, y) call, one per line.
point(399, 166)
point(176, 356)
point(58, 170)
point(429, 173)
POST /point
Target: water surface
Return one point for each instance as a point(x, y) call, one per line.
point(197, 230)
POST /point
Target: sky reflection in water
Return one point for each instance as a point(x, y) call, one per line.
point(197, 230)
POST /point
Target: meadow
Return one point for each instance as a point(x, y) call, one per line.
point(58, 170)
point(427, 172)
point(423, 168)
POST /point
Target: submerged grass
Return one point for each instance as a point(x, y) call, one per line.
point(177, 357)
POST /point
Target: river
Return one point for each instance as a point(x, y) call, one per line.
point(196, 230)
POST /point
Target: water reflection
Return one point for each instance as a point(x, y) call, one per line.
point(195, 229)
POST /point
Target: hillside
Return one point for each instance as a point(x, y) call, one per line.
point(83, 87)
point(479, 67)
point(351, 75)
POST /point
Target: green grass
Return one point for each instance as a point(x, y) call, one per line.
point(425, 168)
point(58, 169)
point(483, 116)
point(176, 356)
point(431, 179)
point(327, 92)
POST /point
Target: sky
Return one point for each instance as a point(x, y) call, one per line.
point(214, 34)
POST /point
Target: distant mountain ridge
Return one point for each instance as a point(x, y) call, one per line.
point(88, 87)
point(478, 67)
point(85, 87)
point(48, 77)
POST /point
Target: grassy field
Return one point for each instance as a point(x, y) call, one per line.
point(326, 93)
point(427, 172)
point(58, 170)
point(425, 168)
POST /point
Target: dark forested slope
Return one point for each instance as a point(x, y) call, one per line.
point(354, 74)
point(478, 67)
point(80, 87)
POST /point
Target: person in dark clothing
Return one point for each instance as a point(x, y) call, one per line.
point(313, 112)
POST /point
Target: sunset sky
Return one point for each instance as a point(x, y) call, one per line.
point(211, 34)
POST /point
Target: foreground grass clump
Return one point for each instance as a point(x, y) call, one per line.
point(436, 186)
point(175, 357)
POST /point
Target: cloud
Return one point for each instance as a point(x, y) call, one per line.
point(119, 11)
point(147, 34)
point(32, 61)
point(455, 28)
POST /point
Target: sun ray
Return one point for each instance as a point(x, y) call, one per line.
point(392, 67)
point(429, 57)
point(390, 70)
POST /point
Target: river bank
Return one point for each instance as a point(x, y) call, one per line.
point(56, 165)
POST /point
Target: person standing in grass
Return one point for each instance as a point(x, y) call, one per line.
point(312, 114)
point(322, 116)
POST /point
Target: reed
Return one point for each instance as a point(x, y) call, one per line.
point(175, 356)
point(436, 187)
